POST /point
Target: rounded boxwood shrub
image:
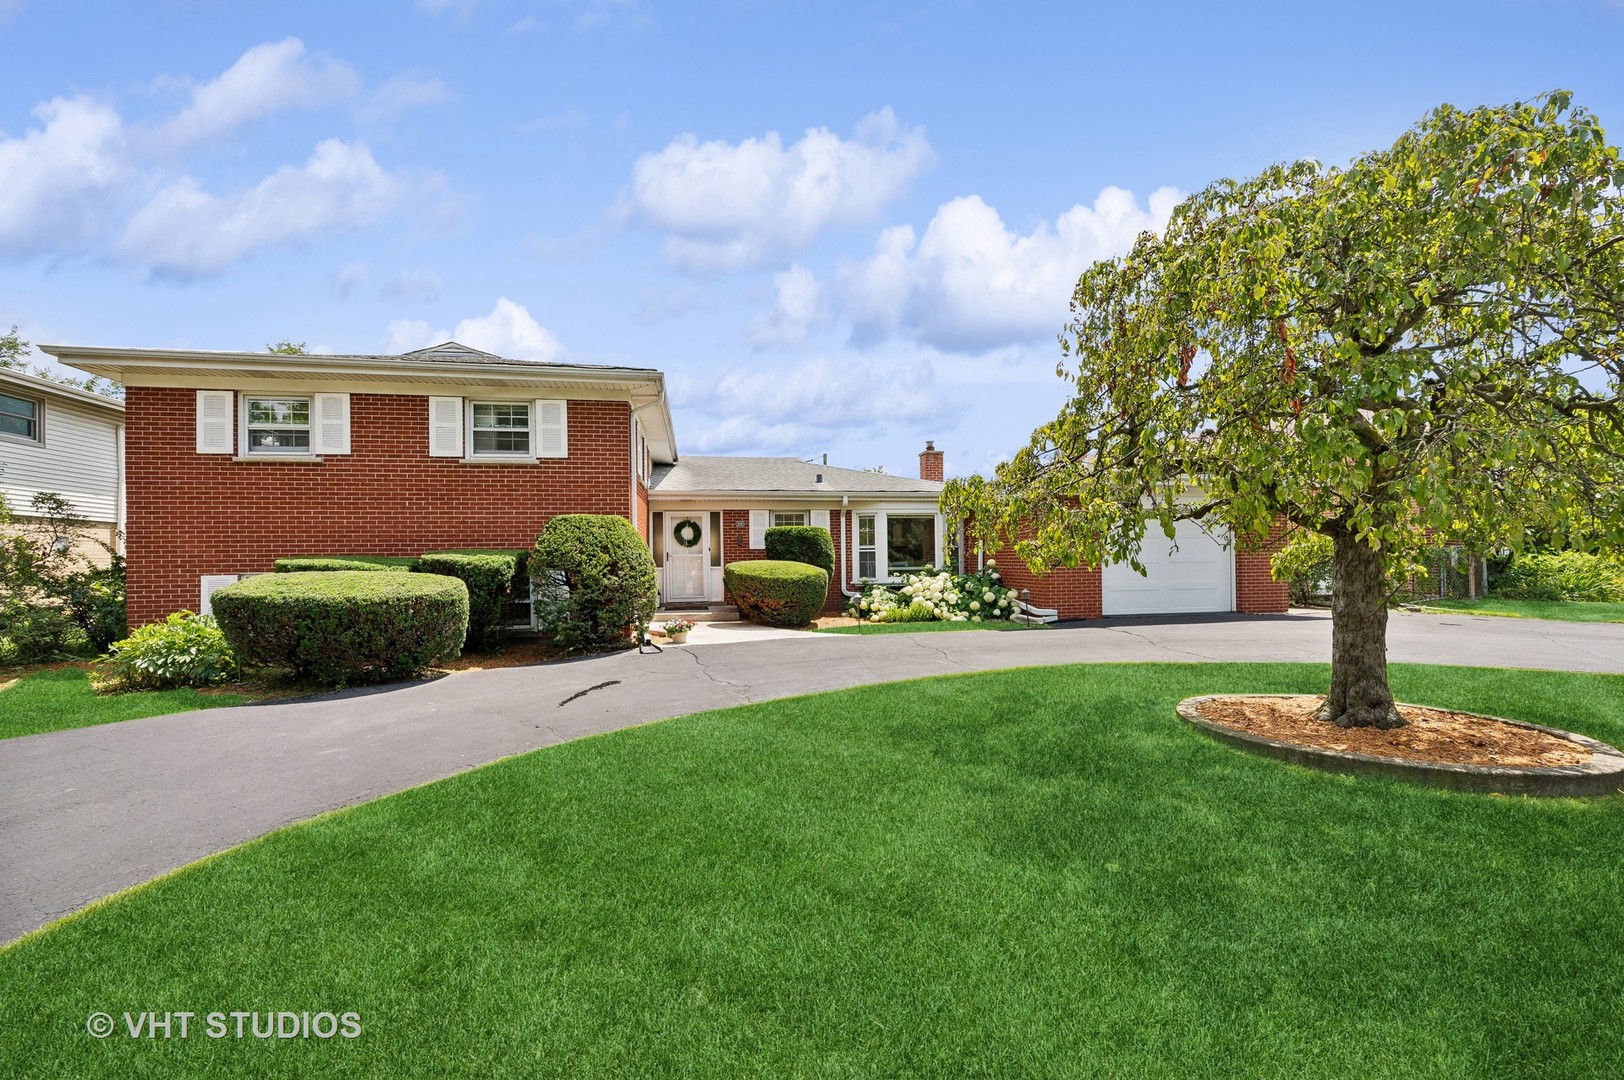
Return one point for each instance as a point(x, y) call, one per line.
point(489, 576)
point(594, 581)
point(308, 564)
point(810, 544)
point(344, 626)
point(777, 592)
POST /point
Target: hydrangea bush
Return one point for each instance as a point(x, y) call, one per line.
point(937, 596)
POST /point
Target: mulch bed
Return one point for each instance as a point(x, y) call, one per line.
point(1434, 736)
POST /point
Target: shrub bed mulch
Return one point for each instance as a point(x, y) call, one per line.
point(1433, 736)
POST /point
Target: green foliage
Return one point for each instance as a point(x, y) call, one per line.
point(54, 601)
point(594, 580)
point(307, 564)
point(14, 357)
point(342, 627)
point(286, 347)
point(490, 577)
point(777, 592)
point(808, 544)
point(937, 595)
point(1304, 564)
point(183, 650)
point(1562, 575)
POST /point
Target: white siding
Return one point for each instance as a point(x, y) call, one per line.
point(79, 461)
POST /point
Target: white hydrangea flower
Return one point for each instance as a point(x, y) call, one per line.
point(975, 605)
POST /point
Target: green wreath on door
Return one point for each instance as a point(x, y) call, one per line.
point(686, 533)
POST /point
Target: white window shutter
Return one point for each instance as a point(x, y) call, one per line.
point(331, 423)
point(445, 427)
point(552, 429)
point(820, 519)
point(758, 528)
point(216, 422)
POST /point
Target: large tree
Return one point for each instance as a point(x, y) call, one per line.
point(1426, 342)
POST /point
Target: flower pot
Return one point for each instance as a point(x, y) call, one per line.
point(677, 639)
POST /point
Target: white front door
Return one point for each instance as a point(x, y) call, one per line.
point(1197, 576)
point(687, 556)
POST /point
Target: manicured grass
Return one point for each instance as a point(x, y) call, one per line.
point(62, 698)
point(1563, 610)
point(1032, 873)
point(926, 627)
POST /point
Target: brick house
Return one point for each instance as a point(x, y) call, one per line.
point(235, 459)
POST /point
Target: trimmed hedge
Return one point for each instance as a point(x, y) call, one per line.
point(309, 564)
point(345, 626)
point(808, 544)
point(777, 592)
point(594, 580)
point(490, 576)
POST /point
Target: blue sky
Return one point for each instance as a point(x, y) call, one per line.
point(839, 228)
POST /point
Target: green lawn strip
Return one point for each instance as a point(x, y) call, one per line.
point(1038, 872)
point(61, 698)
point(926, 627)
point(1562, 610)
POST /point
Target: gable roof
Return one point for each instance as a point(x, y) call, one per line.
point(23, 382)
point(780, 476)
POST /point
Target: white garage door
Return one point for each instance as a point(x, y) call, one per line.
point(1198, 576)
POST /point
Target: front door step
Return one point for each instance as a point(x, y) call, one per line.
point(698, 613)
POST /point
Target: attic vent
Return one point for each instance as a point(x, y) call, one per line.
point(819, 480)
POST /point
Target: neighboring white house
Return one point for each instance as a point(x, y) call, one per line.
point(56, 438)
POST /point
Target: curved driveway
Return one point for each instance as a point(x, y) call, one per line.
point(87, 812)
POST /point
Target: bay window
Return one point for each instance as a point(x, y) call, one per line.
point(910, 543)
point(866, 553)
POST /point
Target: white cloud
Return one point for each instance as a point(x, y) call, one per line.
point(396, 95)
point(509, 330)
point(55, 179)
point(420, 286)
point(723, 205)
point(797, 306)
point(185, 231)
point(776, 409)
point(266, 79)
point(349, 278)
point(970, 284)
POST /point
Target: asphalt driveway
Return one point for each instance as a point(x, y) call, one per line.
point(86, 812)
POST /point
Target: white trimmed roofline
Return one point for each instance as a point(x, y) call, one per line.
point(35, 384)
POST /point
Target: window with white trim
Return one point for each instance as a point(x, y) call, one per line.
point(499, 429)
point(781, 518)
point(19, 417)
point(276, 425)
point(910, 543)
point(866, 552)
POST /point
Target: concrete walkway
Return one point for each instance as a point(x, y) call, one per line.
point(87, 812)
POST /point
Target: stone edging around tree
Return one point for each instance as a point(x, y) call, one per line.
point(1600, 774)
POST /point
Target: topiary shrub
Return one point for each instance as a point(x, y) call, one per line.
point(310, 564)
point(345, 626)
point(183, 650)
point(777, 592)
point(808, 544)
point(594, 582)
point(490, 576)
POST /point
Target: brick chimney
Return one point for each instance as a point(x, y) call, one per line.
point(930, 463)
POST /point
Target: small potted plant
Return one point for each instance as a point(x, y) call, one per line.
point(676, 631)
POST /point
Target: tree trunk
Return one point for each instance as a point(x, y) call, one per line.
point(1359, 696)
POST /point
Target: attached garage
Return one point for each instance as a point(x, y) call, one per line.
point(1197, 576)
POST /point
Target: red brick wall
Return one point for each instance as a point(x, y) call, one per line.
point(191, 514)
point(1256, 592)
point(930, 463)
point(1074, 593)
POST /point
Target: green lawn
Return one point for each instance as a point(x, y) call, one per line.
point(1032, 873)
point(1564, 610)
point(61, 698)
point(927, 627)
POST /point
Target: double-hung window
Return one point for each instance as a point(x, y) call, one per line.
point(19, 417)
point(276, 425)
point(499, 429)
point(782, 518)
point(866, 552)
